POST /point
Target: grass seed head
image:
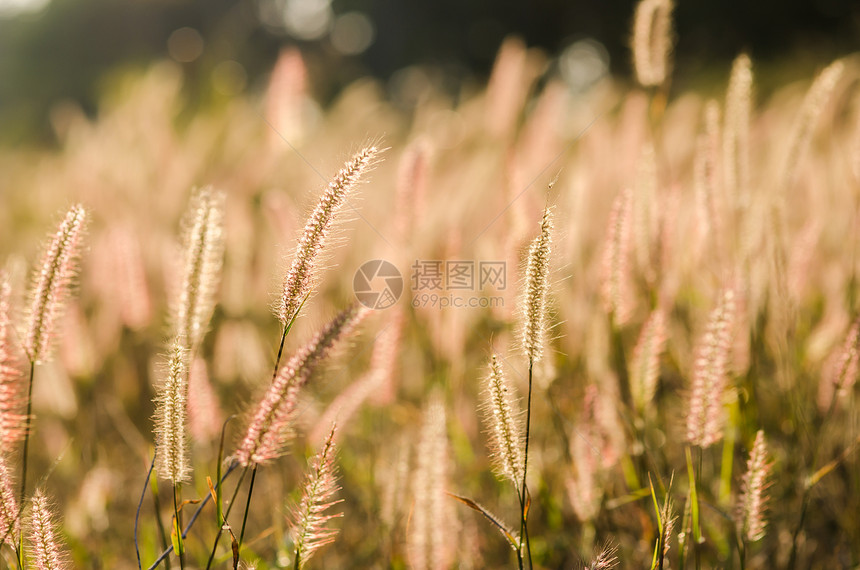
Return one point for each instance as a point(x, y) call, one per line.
point(299, 281)
point(52, 282)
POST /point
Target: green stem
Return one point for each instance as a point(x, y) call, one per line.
point(219, 503)
point(698, 533)
point(177, 528)
point(281, 350)
point(156, 502)
point(287, 328)
point(524, 529)
point(139, 507)
point(248, 504)
point(792, 559)
point(227, 514)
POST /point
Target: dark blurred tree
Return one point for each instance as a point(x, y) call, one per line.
point(65, 51)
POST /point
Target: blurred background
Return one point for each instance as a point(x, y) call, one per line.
point(56, 52)
point(126, 105)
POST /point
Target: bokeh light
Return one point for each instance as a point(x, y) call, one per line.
point(352, 33)
point(185, 45)
point(583, 63)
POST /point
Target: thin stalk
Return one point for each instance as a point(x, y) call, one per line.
point(219, 504)
point(698, 533)
point(524, 529)
point(23, 493)
point(248, 505)
point(287, 328)
point(178, 525)
point(139, 506)
point(191, 522)
point(281, 350)
point(226, 514)
point(520, 549)
point(156, 503)
point(792, 559)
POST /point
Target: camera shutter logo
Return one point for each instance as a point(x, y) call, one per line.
point(377, 284)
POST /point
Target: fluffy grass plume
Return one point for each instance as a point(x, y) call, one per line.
point(8, 505)
point(12, 422)
point(809, 114)
point(615, 284)
point(584, 490)
point(171, 425)
point(537, 285)
point(431, 539)
point(269, 429)
point(299, 280)
point(645, 366)
point(203, 250)
point(505, 432)
point(843, 370)
point(652, 41)
point(750, 517)
point(51, 283)
point(706, 181)
point(710, 373)
point(667, 521)
point(606, 559)
point(736, 131)
point(310, 531)
point(45, 549)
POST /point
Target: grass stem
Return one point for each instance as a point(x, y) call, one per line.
point(177, 526)
point(524, 496)
point(139, 506)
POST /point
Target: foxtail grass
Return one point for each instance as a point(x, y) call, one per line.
point(645, 366)
point(52, 282)
point(171, 425)
point(310, 529)
point(807, 118)
point(615, 277)
point(430, 542)
point(270, 427)
point(534, 309)
point(9, 513)
point(843, 372)
point(171, 420)
point(46, 552)
point(203, 251)
point(752, 507)
point(710, 373)
point(505, 431)
point(299, 281)
point(652, 41)
point(605, 559)
point(736, 132)
point(13, 423)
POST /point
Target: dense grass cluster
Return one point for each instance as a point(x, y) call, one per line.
point(667, 378)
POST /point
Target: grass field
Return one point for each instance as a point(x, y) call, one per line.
point(666, 284)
